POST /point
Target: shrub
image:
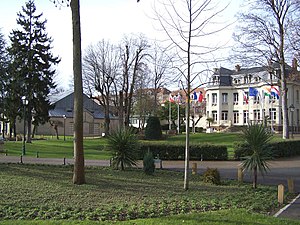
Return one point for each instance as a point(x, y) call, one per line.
point(212, 176)
point(153, 129)
point(123, 145)
point(278, 149)
point(148, 163)
point(168, 151)
point(241, 149)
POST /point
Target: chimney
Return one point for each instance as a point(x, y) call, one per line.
point(237, 68)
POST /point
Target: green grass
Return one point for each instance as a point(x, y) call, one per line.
point(30, 192)
point(52, 148)
point(221, 217)
point(95, 148)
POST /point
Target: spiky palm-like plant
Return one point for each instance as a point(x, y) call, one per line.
point(123, 145)
point(258, 138)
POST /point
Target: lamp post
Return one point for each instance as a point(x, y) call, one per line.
point(292, 109)
point(64, 117)
point(25, 103)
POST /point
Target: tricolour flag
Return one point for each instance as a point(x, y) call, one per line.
point(171, 98)
point(275, 92)
point(200, 96)
point(245, 97)
point(178, 98)
point(267, 91)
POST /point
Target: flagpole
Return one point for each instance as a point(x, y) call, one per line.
point(170, 127)
point(178, 117)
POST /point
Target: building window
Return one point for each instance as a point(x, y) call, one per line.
point(272, 113)
point(224, 115)
point(245, 97)
point(207, 98)
point(256, 99)
point(246, 116)
point(235, 116)
point(225, 98)
point(256, 114)
point(297, 96)
point(215, 115)
point(214, 99)
point(235, 98)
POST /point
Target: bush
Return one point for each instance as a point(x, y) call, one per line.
point(241, 149)
point(123, 145)
point(148, 163)
point(278, 149)
point(168, 151)
point(212, 176)
point(153, 129)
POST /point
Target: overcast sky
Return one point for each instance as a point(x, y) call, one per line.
point(100, 19)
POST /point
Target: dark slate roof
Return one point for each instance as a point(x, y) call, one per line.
point(56, 97)
point(64, 106)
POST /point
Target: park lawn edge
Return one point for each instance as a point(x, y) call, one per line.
point(220, 217)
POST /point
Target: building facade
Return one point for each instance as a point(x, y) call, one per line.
point(61, 117)
point(235, 98)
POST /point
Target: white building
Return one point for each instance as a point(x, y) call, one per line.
point(229, 103)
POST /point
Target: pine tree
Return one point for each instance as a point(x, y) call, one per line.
point(3, 76)
point(31, 64)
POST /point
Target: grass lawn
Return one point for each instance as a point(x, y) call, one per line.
point(37, 192)
point(220, 217)
point(95, 148)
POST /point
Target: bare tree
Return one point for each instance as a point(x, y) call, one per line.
point(162, 69)
point(264, 36)
point(143, 101)
point(133, 52)
point(187, 24)
point(101, 65)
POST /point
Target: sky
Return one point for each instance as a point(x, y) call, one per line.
point(100, 19)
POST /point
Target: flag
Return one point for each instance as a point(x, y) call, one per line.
point(245, 96)
point(195, 96)
point(200, 96)
point(267, 91)
point(275, 92)
point(253, 91)
point(171, 98)
point(178, 98)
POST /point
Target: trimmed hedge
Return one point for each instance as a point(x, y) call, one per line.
point(177, 152)
point(279, 149)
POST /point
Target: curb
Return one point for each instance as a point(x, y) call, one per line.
point(286, 207)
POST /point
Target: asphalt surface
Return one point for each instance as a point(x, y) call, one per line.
point(280, 171)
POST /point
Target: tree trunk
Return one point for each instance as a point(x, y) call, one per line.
point(107, 120)
point(33, 131)
point(121, 111)
point(28, 116)
point(255, 177)
point(78, 175)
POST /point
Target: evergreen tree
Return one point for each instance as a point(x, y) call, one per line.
point(153, 129)
point(3, 76)
point(31, 64)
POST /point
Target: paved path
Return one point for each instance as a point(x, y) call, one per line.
point(280, 171)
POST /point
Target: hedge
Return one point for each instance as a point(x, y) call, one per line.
point(177, 152)
point(279, 149)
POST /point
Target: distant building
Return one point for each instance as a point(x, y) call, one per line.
point(238, 97)
point(61, 117)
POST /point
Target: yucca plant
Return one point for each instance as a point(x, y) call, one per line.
point(258, 138)
point(124, 145)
